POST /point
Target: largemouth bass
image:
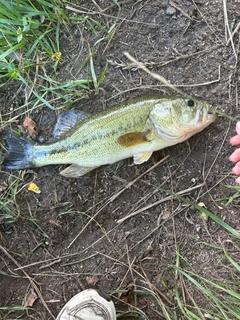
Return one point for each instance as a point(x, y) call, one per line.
point(131, 129)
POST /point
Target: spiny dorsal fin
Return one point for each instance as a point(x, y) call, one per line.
point(132, 139)
point(66, 121)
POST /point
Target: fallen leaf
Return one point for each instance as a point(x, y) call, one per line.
point(166, 214)
point(201, 204)
point(34, 188)
point(30, 298)
point(30, 126)
point(92, 280)
point(204, 215)
point(126, 296)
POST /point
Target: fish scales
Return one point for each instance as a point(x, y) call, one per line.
point(96, 137)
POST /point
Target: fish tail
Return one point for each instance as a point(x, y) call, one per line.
point(19, 152)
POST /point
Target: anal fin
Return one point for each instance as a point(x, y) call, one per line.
point(75, 171)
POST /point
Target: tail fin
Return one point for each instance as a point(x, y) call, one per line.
point(19, 152)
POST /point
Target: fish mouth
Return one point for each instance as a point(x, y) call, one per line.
point(211, 116)
point(206, 115)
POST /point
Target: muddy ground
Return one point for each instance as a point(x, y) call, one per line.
point(53, 245)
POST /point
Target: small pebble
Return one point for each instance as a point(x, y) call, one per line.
point(171, 11)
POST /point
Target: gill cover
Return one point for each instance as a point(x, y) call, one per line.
point(178, 119)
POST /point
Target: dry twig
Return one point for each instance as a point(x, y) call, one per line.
point(114, 197)
point(158, 202)
point(33, 284)
point(155, 75)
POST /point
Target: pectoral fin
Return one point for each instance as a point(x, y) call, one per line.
point(141, 157)
point(75, 171)
point(133, 138)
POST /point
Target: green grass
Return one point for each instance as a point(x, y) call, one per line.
point(231, 199)
point(9, 207)
point(27, 30)
point(14, 206)
point(30, 52)
point(221, 297)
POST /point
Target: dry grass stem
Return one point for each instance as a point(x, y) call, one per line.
point(113, 198)
point(166, 83)
point(227, 28)
point(110, 16)
point(173, 4)
point(233, 33)
point(154, 75)
point(33, 284)
point(160, 201)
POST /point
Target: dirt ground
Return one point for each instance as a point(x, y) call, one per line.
point(54, 245)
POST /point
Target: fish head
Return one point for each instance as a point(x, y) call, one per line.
point(177, 119)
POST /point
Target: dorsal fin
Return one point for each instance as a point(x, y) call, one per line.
point(66, 121)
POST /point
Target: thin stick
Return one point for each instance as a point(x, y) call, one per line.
point(113, 198)
point(155, 75)
point(233, 33)
point(173, 4)
point(158, 202)
point(33, 284)
point(87, 13)
point(227, 28)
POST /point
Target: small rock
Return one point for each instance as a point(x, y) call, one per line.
point(171, 11)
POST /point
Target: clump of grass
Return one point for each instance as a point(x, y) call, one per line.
point(25, 31)
point(231, 199)
point(221, 297)
point(30, 51)
point(9, 206)
point(135, 310)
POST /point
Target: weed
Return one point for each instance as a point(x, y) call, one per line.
point(222, 297)
point(207, 213)
point(30, 52)
point(9, 207)
point(230, 200)
point(27, 27)
point(11, 204)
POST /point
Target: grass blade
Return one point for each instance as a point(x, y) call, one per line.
point(205, 211)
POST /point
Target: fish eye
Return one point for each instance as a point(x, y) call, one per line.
point(190, 103)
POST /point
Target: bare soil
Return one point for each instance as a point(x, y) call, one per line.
point(53, 244)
